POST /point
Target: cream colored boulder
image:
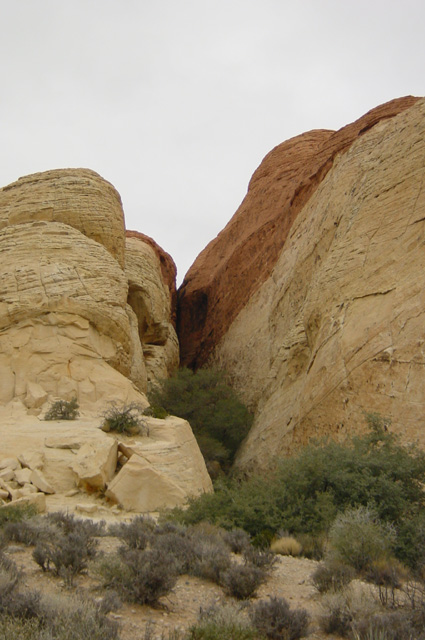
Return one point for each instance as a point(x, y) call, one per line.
point(164, 468)
point(10, 463)
point(140, 487)
point(23, 476)
point(32, 459)
point(38, 480)
point(95, 463)
point(37, 500)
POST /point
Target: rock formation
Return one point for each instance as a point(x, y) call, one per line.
point(329, 324)
point(85, 312)
point(235, 264)
point(73, 322)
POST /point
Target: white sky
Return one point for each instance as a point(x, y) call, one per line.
point(176, 102)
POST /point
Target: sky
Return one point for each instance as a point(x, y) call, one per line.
point(176, 102)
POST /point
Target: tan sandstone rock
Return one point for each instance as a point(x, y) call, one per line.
point(151, 278)
point(38, 480)
point(337, 329)
point(95, 463)
point(79, 198)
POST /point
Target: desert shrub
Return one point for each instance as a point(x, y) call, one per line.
point(218, 418)
point(126, 419)
point(222, 623)
point(276, 620)
point(286, 546)
point(242, 581)
point(63, 410)
point(410, 543)
point(237, 540)
point(139, 576)
point(68, 523)
point(332, 576)
point(391, 625)
point(69, 554)
point(341, 610)
point(313, 546)
point(16, 513)
point(29, 532)
point(358, 538)
point(211, 559)
point(179, 548)
point(137, 533)
point(261, 558)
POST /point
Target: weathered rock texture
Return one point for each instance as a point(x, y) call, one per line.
point(162, 468)
point(151, 276)
point(85, 312)
point(70, 322)
point(337, 327)
point(234, 265)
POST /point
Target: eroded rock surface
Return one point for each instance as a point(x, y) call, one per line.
point(234, 265)
point(337, 328)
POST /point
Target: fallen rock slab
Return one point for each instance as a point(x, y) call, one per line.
point(39, 481)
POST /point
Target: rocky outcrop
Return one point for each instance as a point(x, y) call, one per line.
point(234, 265)
point(70, 459)
point(87, 313)
point(73, 322)
point(337, 328)
point(151, 275)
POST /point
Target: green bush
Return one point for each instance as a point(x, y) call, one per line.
point(125, 419)
point(218, 418)
point(358, 538)
point(17, 513)
point(63, 410)
point(305, 492)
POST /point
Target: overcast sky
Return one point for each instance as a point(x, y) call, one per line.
point(176, 102)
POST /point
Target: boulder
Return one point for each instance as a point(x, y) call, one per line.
point(38, 480)
point(142, 488)
point(95, 463)
point(23, 476)
point(31, 459)
point(10, 463)
point(37, 500)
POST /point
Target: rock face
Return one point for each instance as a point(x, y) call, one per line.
point(336, 329)
point(234, 265)
point(84, 312)
point(151, 276)
point(71, 323)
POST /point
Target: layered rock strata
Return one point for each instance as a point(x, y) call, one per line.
point(336, 330)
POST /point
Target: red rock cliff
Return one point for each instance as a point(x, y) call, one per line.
point(235, 264)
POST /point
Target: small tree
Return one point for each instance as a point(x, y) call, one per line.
point(220, 421)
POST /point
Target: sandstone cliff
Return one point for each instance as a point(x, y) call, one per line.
point(85, 312)
point(233, 266)
point(332, 325)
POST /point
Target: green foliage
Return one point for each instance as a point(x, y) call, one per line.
point(17, 513)
point(358, 538)
point(218, 418)
point(305, 492)
point(124, 419)
point(63, 410)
